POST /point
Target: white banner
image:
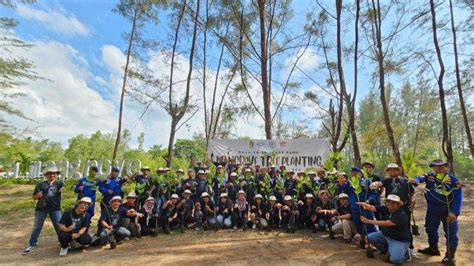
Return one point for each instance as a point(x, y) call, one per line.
point(295, 154)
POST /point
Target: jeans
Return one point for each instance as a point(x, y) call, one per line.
point(258, 220)
point(227, 222)
point(397, 250)
point(40, 217)
point(201, 219)
point(118, 233)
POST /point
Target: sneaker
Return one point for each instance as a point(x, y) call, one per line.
point(63, 252)
point(28, 250)
point(235, 228)
point(254, 226)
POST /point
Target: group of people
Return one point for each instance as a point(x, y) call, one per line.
point(246, 197)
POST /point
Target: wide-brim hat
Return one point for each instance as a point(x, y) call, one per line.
point(223, 195)
point(115, 198)
point(342, 196)
point(150, 199)
point(201, 172)
point(392, 166)
point(51, 170)
point(180, 171)
point(272, 197)
point(86, 200)
point(368, 163)
point(287, 197)
point(145, 168)
point(394, 198)
point(438, 162)
point(204, 194)
point(132, 195)
point(258, 196)
point(309, 196)
point(241, 192)
point(187, 191)
point(321, 192)
point(175, 196)
point(233, 174)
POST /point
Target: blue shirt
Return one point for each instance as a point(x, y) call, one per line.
point(434, 187)
point(111, 184)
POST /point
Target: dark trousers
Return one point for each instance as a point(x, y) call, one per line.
point(66, 237)
point(239, 218)
point(165, 224)
point(288, 219)
point(151, 227)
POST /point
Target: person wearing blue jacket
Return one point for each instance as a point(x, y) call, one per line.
point(111, 186)
point(365, 195)
point(87, 187)
point(444, 202)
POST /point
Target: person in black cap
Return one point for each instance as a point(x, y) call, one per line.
point(111, 186)
point(87, 187)
point(441, 208)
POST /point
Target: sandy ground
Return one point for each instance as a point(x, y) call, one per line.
point(222, 247)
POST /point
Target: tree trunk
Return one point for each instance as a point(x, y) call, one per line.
point(169, 158)
point(380, 58)
point(458, 83)
point(342, 81)
point(446, 145)
point(351, 108)
point(264, 73)
point(204, 53)
point(124, 83)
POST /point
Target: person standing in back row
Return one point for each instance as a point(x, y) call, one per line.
point(48, 197)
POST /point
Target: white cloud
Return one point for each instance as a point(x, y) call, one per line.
point(308, 61)
point(55, 20)
point(64, 105)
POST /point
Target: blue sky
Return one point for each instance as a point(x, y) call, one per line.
point(78, 44)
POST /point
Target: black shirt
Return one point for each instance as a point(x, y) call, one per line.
point(398, 186)
point(400, 231)
point(222, 206)
point(260, 210)
point(112, 217)
point(341, 210)
point(210, 204)
point(51, 200)
point(78, 221)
